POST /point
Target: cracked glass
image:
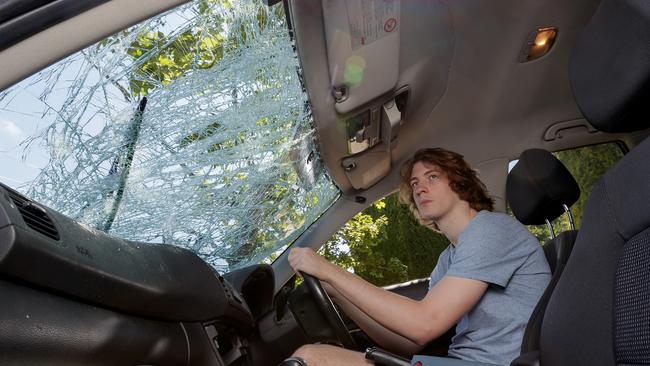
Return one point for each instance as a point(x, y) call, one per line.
point(191, 128)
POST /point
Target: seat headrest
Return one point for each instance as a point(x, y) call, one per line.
point(537, 187)
point(610, 67)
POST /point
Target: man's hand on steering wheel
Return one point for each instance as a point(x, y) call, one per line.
point(313, 267)
point(306, 260)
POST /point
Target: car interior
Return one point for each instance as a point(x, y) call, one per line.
point(494, 81)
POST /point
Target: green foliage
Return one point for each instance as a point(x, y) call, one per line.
point(197, 136)
point(162, 58)
point(588, 164)
point(384, 244)
point(171, 59)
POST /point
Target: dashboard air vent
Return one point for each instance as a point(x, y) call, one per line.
point(34, 215)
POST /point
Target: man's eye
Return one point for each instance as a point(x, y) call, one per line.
point(433, 177)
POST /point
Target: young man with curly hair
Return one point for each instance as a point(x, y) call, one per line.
point(487, 282)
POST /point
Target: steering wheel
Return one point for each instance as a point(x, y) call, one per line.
point(328, 310)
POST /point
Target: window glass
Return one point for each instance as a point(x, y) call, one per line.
point(384, 244)
point(191, 128)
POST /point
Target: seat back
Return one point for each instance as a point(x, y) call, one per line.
point(599, 312)
point(538, 188)
point(558, 249)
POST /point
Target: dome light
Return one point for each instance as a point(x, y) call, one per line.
point(538, 43)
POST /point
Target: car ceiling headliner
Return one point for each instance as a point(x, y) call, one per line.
point(492, 107)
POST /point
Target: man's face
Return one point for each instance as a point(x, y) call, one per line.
point(431, 192)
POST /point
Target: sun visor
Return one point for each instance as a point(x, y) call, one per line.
point(363, 41)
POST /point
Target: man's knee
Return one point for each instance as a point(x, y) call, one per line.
point(307, 352)
point(324, 354)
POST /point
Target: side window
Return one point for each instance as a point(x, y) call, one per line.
point(384, 244)
point(587, 164)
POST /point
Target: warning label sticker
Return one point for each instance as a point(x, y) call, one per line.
point(371, 20)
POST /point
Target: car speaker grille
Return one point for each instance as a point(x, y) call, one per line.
point(34, 215)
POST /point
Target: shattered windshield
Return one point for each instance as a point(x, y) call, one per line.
point(191, 129)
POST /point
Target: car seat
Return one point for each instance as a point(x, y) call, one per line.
point(539, 189)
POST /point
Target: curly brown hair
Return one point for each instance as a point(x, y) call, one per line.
point(463, 180)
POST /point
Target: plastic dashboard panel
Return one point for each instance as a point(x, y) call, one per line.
point(74, 296)
point(155, 281)
point(39, 328)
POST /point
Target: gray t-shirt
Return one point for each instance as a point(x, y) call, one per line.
point(496, 249)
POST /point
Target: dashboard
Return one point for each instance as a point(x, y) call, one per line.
point(73, 295)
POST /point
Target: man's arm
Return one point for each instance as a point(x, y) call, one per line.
point(381, 335)
point(419, 321)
